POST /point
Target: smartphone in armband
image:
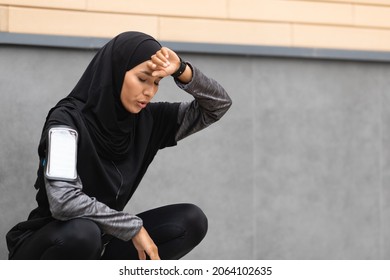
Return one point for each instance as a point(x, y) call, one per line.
point(62, 154)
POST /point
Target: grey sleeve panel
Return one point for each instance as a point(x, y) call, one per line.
point(210, 104)
point(67, 201)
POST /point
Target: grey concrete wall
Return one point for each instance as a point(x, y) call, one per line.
point(299, 168)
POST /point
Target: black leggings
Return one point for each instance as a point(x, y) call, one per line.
point(176, 230)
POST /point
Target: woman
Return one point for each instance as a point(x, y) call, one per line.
point(112, 132)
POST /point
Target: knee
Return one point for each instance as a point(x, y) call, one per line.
point(83, 238)
point(196, 222)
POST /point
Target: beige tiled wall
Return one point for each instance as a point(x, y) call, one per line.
point(342, 24)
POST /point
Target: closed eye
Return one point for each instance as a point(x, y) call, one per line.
point(144, 79)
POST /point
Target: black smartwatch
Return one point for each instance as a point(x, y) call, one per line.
point(181, 69)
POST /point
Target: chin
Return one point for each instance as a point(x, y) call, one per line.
point(135, 111)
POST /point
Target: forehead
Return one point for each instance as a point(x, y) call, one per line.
point(142, 67)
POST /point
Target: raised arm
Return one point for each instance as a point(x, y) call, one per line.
point(210, 104)
point(211, 100)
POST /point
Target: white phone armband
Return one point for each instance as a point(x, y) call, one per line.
point(62, 154)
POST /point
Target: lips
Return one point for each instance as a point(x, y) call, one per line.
point(142, 104)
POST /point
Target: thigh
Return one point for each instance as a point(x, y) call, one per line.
point(73, 239)
point(176, 229)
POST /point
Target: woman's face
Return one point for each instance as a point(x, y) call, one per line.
point(139, 87)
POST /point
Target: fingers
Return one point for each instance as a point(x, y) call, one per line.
point(160, 58)
point(165, 52)
point(164, 62)
point(156, 71)
point(155, 257)
point(152, 256)
point(153, 253)
point(142, 255)
point(145, 245)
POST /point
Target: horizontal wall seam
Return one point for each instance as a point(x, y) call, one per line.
point(55, 41)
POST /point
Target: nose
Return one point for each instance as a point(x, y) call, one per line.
point(150, 91)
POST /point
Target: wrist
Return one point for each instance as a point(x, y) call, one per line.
point(180, 70)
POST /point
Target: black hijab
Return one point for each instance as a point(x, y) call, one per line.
point(115, 147)
point(98, 92)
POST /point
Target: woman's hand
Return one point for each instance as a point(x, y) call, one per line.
point(145, 245)
point(165, 62)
